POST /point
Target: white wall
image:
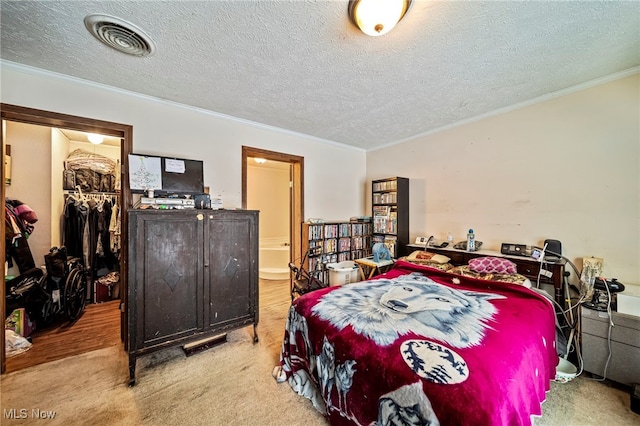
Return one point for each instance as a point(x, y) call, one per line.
point(163, 128)
point(59, 152)
point(30, 176)
point(566, 169)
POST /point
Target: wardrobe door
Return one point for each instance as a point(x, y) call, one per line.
point(232, 281)
point(167, 292)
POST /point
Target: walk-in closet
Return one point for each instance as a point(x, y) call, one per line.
point(69, 182)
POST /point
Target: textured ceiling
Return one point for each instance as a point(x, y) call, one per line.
point(303, 66)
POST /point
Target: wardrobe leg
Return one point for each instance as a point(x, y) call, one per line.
point(132, 371)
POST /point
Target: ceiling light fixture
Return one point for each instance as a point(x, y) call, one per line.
point(377, 17)
point(95, 139)
point(260, 160)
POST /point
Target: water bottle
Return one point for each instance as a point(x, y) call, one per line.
point(450, 239)
point(471, 241)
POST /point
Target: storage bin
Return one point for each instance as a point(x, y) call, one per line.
point(343, 272)
point(629, 300)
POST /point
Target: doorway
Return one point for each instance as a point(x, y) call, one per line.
point(124, 133)
point(295, 165)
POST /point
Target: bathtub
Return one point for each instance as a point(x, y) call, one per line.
point(274, 260)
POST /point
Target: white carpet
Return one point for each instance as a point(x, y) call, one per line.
point(229, 384)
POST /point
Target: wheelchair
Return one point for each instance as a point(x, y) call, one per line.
point(66, 283)
point(59, 290)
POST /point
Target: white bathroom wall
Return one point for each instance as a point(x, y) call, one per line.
point(268, 191)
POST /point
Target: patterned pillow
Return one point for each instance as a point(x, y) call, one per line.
point(490, 265)
point(435, 265)
point(429, 263)
point(507, 278)
point(422, 255)
point(464, 271)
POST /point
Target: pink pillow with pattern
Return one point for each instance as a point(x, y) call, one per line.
point(492, 265)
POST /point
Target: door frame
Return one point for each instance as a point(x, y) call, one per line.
point(296, 193)
point(21, 114)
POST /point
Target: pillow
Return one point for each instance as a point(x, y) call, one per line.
point(491, 265)
point(464, 271)
point(506, 278)
point(435, 265)
point(428, 256)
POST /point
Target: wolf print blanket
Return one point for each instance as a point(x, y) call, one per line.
point(417, 346)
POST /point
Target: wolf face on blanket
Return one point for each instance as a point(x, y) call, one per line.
point(386, 309)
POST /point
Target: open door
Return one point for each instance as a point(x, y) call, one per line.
point(51, 119)
point(296, 193)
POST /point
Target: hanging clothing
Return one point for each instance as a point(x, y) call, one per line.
point(74, 216)
point(87, 232)
point(114, 229)
point(19, 219)
point(25, 215)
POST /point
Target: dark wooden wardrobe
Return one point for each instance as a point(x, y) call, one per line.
point(193, 274)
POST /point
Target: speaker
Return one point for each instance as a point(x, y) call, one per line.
point(554, 249)
point(202, 201)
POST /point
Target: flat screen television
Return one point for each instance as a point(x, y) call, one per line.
point(165, 175)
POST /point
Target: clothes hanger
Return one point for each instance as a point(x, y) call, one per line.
point(81, 196)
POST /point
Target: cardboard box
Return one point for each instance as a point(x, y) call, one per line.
point(19, 322)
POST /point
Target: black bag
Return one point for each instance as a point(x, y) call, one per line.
point(106, 182)
point(56, 262)
point(26, 291)
point(69, 179)
point(88, 180)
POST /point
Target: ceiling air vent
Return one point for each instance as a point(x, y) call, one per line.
point(120, 35)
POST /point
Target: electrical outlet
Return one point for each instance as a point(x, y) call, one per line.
point(546, 273)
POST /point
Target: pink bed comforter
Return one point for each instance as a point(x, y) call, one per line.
point(420, 346)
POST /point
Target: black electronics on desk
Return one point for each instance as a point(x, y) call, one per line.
point(176, 182)
point(514, 249)
point(167, 176)
point(604, 295)
point(552, 250)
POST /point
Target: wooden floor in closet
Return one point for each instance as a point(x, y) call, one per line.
point(99, 327)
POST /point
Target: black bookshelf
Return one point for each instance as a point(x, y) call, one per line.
point(334, 242)
point(390, 213)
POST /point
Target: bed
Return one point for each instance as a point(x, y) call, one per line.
point(418, 345)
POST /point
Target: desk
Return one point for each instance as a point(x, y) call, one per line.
point(527, 266)
point(367, 264)
point(623, 340)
